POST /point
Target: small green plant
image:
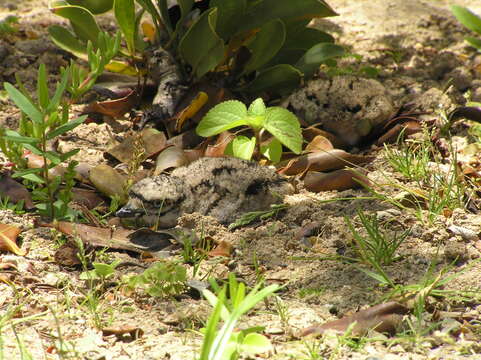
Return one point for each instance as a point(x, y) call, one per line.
point(163, 279)
point(8, 25)
point(257, 46)
point(44, 120)
point(411, 160)
point(5, 204)
point(279, 122)
point(100, 271)
point(225, 343)
point(471, 21)
point(377, 248)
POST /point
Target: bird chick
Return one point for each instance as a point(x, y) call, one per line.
point(220, 187)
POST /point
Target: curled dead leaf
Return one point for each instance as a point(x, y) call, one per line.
point(8, 238)
point(383, 318)
point(139, 241)
point(35, 161)
point(134, 332)
point(224, 248)
point(170, 157)
point(151, 142)
point(113, 108)
point(218, 148)
point(108, 181)
point(15, 191)
point(323, 161)
point(86, 197)
point(319, 143)
point(406, 128)
point(337, 180)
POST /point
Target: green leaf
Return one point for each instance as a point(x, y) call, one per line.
point(82, 21)
point(254, 343)
point(34, 177)
point(279, 79)
point(257, 108)
point(42, 88)
point(260, 12)
point(201, 47)
point(230, 13)
point(467, 18)
point(243, 147)
point(17, 138)
point(94, 6)
point(474, 42)
point(23, 103)
point(316, 55)
point(57, 96)
point(66, 127)
point(273, 151)
point(222, 117)
point(285, 126)
point(266, 44)
point(125, 14)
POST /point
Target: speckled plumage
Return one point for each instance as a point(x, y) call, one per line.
point(220, 187)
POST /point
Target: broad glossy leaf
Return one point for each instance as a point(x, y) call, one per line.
point(125, 15)
point(23, 103)
point(279, 79)
point(285, 126)
point(94, 6)
point(82, 20)
point(230, 14)
point(316, 55)
point(201, 47)
point(272, 151)
point(260, 12)
point(254, 343)
point(257, 108)
point(467, 18)
point(266, 44)
point(243, 147)
point(222, 117)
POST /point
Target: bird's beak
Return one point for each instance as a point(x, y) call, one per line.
point(126, 212)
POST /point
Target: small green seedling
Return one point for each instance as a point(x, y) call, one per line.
point(279, 122)
point(471, 21)
point(226, 343)
point(161, 280)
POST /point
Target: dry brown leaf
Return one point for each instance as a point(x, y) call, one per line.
point(170, 157)
point(323, 161)
point(134, 332)
point(383, 318)
point(15, 191)
point(86, 197)
point(35, 161)
point(152, 141)
point(113, 108)
point(189, 111)
point(8, 238)
point(337, 180)
point(218, 149)
point(139, 241)
point(67, 254)
point(311, 132)
point(224, 248)
point(407, 128)
point(319, 143)
point(108, 181)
